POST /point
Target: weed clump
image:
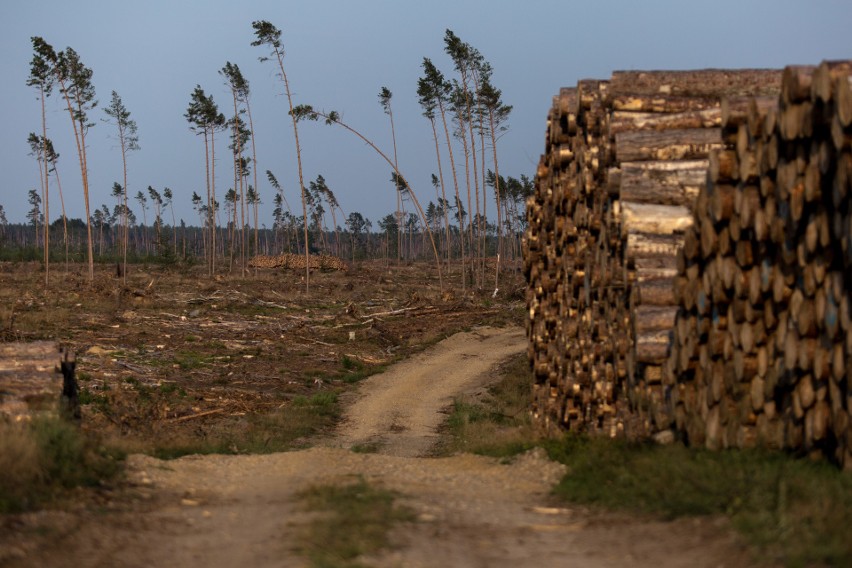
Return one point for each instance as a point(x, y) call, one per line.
point(40, 458)
point(355, 520)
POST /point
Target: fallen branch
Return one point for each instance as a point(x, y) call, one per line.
point(199, 415)
point(130, 367)
point(397, 312)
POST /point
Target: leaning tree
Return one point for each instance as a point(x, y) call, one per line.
point(385, 96)
point(270, 36)
point(307, 112)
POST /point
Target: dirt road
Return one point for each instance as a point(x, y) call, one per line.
point(217, 511)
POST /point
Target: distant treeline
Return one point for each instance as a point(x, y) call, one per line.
point(358, 239)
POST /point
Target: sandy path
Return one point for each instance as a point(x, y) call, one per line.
point(399, 410)
point(218, 511)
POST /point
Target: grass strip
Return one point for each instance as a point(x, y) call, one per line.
point(354, 521)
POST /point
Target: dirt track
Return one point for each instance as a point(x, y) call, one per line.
point(472, 511)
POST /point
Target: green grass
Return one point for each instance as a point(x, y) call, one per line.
point(796, 511)
point(354, 520)
point(188, 360)
point(498, 424)
point(354, 371)
point(367, 448)
point(40, 459)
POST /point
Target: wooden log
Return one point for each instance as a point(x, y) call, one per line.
point(653, 268)
point(691, 244)
point(664, 183)
point(796, 121)
point(656, 292)
point(711, 83)
point(681, 144)
point(666, 104)
point(824, 77)
point(759, 109)
point(654, 318)
point(654, 219)
point(622, 121)
point(843, 100)
point(34, 377)
point(722, 200)
point(653, 347)
point(723, 166)
point(796, 83)
point(567, 108)
point(643, 245)
point(734, 112)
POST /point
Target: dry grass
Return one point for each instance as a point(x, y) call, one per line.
point(20, 462)
point(40, 458)
point(496, 423)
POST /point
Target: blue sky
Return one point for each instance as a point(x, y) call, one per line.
point(339, 55)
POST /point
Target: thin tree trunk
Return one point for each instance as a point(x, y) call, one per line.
point(46, 191)
point(443, 193)
point(124, 212)
point(254, 173)
point(80, 140)
point(456, 185)
point(209, 220)
point(398, 193)
point(280, 56)
point(497, 194)
point(64, 218)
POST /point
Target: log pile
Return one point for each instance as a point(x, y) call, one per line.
point(571, 354)
point(762, 349)
point(624, 162)
point(36, 377)
point(689, 258)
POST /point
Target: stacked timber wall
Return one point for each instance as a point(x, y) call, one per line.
point(661, 196)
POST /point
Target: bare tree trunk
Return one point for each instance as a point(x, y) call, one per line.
point(46, 188)
point(443, 193)
point(280, 56)
point(456, 185)
point(209, 221)
point(254, 172)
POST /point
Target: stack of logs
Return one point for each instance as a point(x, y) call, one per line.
point(762, 349)
point(624, 162)
point(746, 173)
point(36, 378)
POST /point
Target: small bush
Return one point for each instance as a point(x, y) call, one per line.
point(42, 457)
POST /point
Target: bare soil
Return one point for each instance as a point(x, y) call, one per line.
point(239, 510)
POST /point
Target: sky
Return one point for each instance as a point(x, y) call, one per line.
point(339, 54)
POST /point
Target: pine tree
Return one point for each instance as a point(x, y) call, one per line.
point(128, 140)
point(204, 118)
point(75, 84)
point(440, 90)
point(385, 96)
point(41, 77)
point(270, 36)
